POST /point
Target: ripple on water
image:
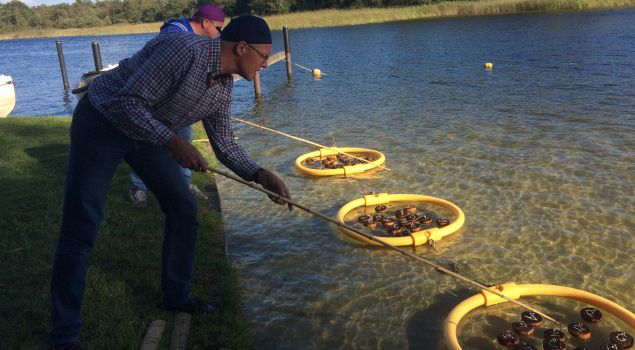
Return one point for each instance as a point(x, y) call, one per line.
point(541, 164)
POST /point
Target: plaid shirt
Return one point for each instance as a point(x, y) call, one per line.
point(173, 82)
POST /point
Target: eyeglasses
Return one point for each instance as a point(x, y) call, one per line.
point(218, 28)
point(262, 55)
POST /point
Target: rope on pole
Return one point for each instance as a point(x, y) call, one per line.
point(305, 68)
point(303, 140)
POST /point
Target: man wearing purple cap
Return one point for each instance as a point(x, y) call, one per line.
point(132, 114)
point(208, 22)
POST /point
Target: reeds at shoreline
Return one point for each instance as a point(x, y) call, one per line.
point(331, 17)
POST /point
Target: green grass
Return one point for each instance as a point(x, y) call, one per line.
point(123, 279)
point(330, 18)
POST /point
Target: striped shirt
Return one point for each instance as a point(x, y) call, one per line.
point(176, 25)
point(173, 82)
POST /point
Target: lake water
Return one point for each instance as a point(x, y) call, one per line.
point(538, 152)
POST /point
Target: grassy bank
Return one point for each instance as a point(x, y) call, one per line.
point(330, 18)
point(123, 279)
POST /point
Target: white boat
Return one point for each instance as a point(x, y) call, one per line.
point(7, 95)
point(82, 86)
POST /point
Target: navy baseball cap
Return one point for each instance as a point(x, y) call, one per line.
point(250, 29)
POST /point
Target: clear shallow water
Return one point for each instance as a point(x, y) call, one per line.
point(539, 154)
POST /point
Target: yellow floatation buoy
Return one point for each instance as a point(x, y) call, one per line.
point(488, 65)
point(346, 170)
point(516, 291)
point(415, 238)
point(317, 73)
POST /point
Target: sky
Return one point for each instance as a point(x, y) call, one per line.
point(39, 2)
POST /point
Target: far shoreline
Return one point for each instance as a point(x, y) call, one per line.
point(346, 17)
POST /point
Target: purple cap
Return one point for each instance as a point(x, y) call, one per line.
point(211, 12)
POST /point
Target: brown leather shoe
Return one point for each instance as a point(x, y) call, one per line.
point(194, 305)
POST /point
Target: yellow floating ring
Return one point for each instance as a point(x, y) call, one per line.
point(515, 291)
point(349, 169)
point(414, 239)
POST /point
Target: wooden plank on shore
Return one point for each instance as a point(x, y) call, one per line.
point(153, 335)
point(271, 60)
point(181, 328)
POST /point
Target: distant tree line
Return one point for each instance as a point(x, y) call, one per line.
point(16, 16)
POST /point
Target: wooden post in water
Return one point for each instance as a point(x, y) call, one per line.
point(97, 56)
point(60, 56)
point(287, 52)
point(257, 85)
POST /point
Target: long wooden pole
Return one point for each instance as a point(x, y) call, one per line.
point(257, 89)
point(60, 57)
point(305, 141)
point(380, 241)
point(97, 56)
point(287, 52)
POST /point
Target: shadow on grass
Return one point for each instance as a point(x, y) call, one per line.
point(123, 283)
point(49, 158)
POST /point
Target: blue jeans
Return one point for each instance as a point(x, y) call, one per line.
point(96, 150)
point(188, 135)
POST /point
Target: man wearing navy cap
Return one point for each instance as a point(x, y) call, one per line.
point(131, 113)
point(208, 21)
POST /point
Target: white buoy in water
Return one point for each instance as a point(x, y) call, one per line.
point(488, 65)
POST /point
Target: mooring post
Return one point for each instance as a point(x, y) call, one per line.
point(287, 52)
point(97, 56)
point(60, 56)
point(257, 85)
